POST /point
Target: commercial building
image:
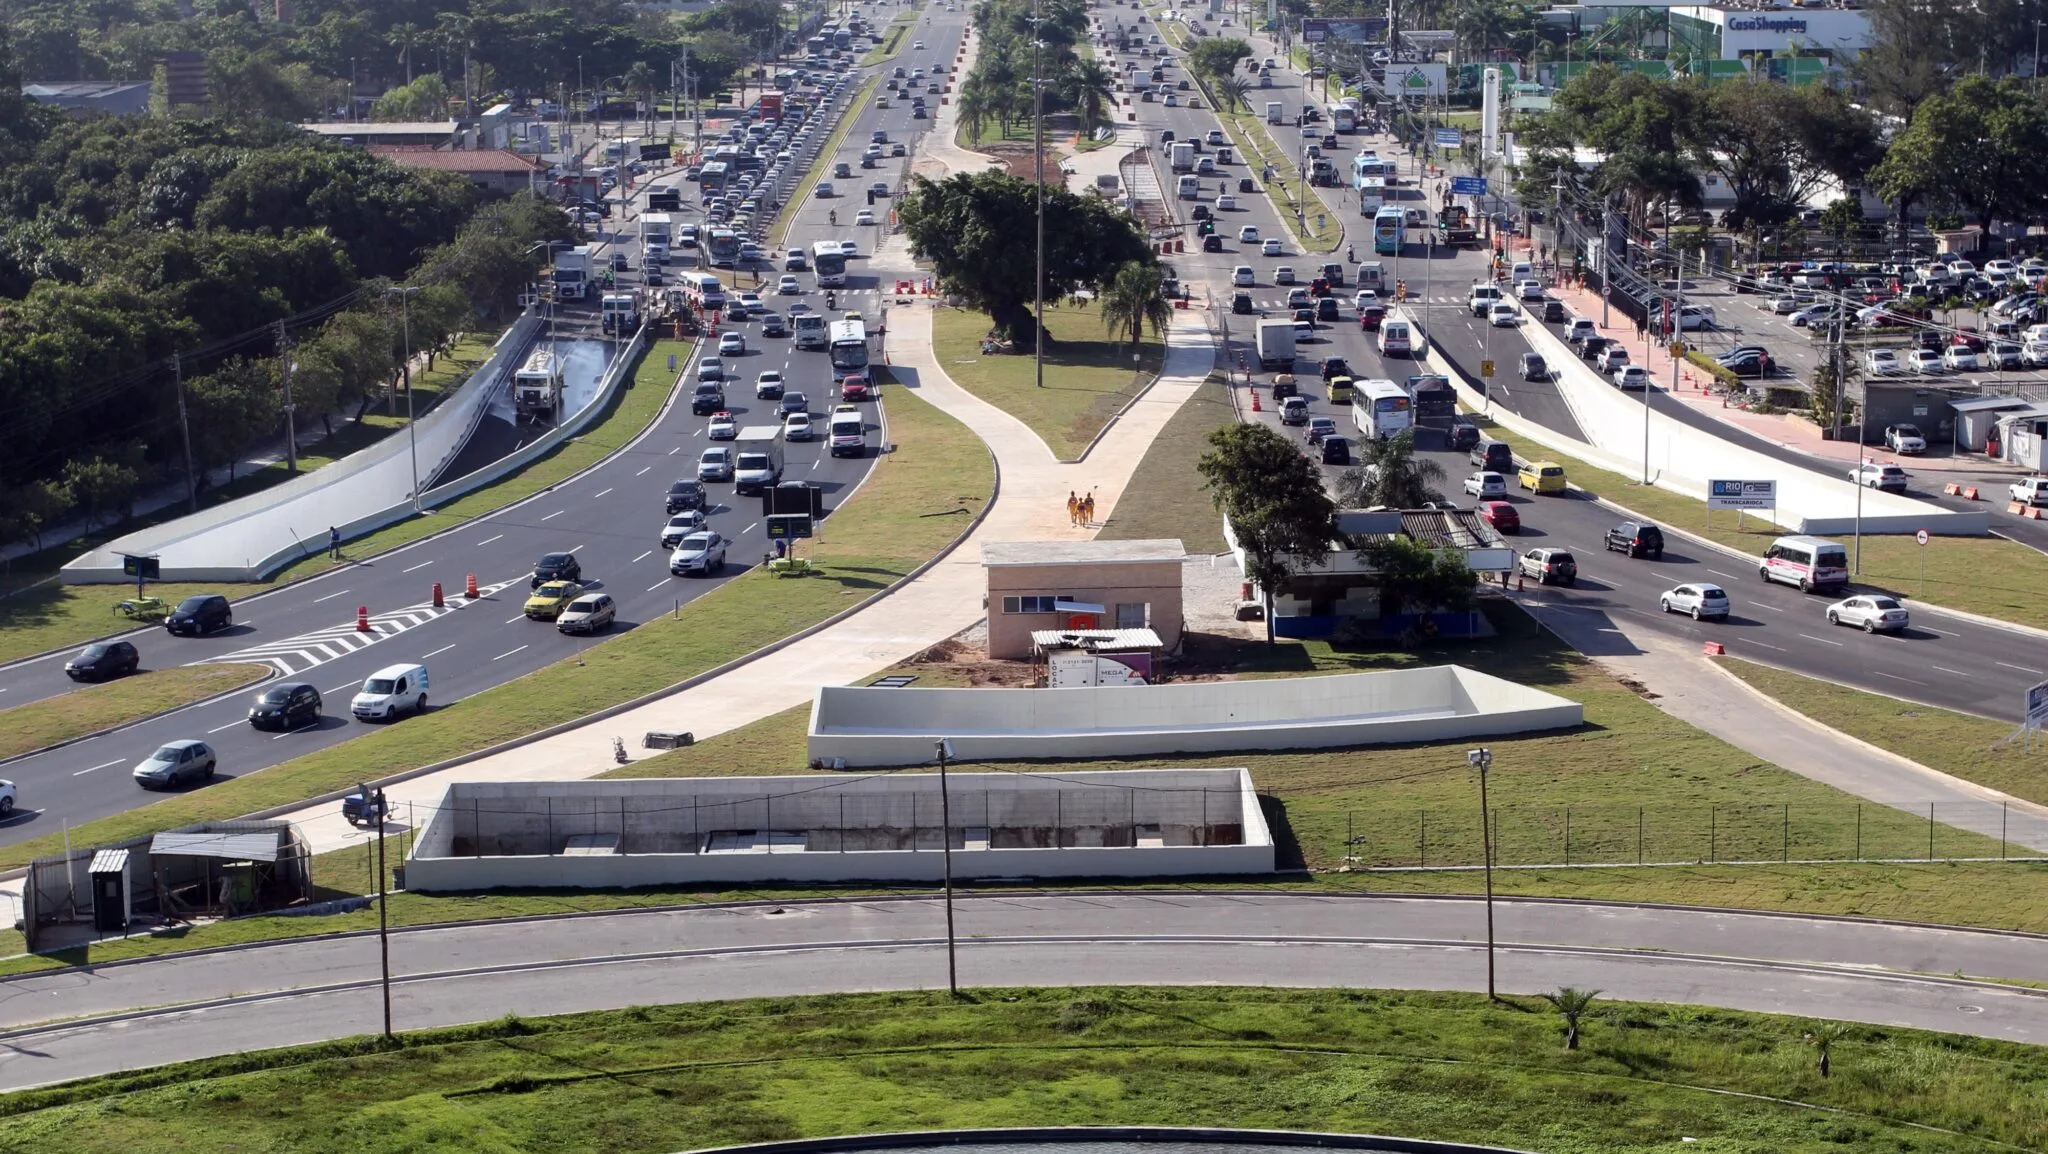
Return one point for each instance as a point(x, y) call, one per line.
point(1034, 586)
point(495, 170)
point(113, 97)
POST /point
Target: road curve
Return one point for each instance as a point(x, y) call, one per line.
point(131, 1015)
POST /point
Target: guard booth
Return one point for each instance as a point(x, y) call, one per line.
point(112, 908)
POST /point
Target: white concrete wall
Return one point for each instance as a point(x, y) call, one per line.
point(873, 727)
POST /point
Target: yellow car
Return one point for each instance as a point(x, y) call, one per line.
point(549, 600)
point(1543, 477)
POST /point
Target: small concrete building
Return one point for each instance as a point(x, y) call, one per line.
point(495, 170)
point(114, 97)
point(1038, 585)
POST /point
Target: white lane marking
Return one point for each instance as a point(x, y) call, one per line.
point(487, 540)
point(219, 729)
point(1718, 573)
point(438, 652)
point(1894, 677)
point(674, 451)
point(508, 653)
point(101, 765)
point(330, 596)
point(643, 470)
point(595, 496)
point(339, 688)
point(510, 620)
point(1778, 648)
point(1772, 608)
point(749, 528)
point(656, 585)
point(641, 557)
point(2021, 668)
point(421, 565)
point(555, 514)
point(1947, 670)
point(1822, 640)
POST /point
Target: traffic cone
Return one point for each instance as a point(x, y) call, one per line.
point(362, 619)
point(469, 587)
point(438, 603)
point(1255, 400)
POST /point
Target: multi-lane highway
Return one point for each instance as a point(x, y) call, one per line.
point(610, 517)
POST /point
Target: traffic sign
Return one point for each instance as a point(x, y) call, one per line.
point(1468, 186)
point(1920, 536)
point(1450, 137)
point(140, 568)
point(1486, 368)
point(789, 526)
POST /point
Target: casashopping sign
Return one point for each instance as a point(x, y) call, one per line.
point(1779, 24)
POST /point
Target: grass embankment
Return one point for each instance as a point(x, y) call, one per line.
point(1089, 375)
point(44, 723)
point(38, 614)
point(1986, 575)
point(1165, 496)
point(919, 498)
point(1441, 1066)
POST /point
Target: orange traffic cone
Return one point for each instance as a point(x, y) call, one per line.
point(362, 619)
point(469, 587)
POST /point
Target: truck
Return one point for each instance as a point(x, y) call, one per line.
point(657, 234)
point(757, 459)
point(572, 273)
point(1181, 156)
point(537, 386)
point(1276, 345)
point(1276, 112)
point(771, 106)
point(810, 330)
point(620, 313)
point(1456, 222)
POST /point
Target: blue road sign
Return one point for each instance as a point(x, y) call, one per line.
point(1450, 137)
point(1468, 186)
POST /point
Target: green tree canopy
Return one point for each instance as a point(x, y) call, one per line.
point(1274, 500)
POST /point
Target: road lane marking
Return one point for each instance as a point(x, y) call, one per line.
point(510, 620)
point(438, 652)
point(656, 585)
point(229, 725)
point(1895, 677)
point(339, 688)
point(643, 470)
point(595, 496)
point(1942, 632)
point(2021, 668)
point(555, 514)
point(101, 765)
point(1822, 640)
point(488, 540)
point(1947, 670)
point(508, 653)
point(1718, 573)
point(421, 565)
point(1778, 648)
point(330, 596)
point(641, 557)
point(1772, 608)
point(748, 529)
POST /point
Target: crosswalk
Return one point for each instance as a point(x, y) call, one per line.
point(310, 650)
point(1345, 300)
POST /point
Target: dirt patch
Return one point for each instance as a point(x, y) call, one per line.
point(1016, 160)
point(959, 662)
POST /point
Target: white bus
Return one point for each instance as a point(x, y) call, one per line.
point(1381, 408)
point(1372, 194)
point(849, 348)
point(829, 263)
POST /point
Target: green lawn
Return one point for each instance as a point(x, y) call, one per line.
point(1442, 1066)
point(1088, 375)
point(1986, 575)
point(1165, 496)
point(49, 615)
point(82, 711)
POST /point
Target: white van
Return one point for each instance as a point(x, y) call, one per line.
point(1189, 188)
point(709, 289)
point(390, 692)
point(1811, 563)
point(1397, 339)
point(1372, 277)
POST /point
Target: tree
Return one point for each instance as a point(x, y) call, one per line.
point(1390, 475)
point(230, 408)
point(640, 81)
point(1982, 145)
point(1572, 1004)
point(1414, 577)
point(404, 37)
point(422, 99)
point(1822, 1037)
point(1237, 91)
point(1830, 388)
point(979, 231)
point(1090, 88)
point(1133, 300)
point(1917, 48)
point(1777, 145)
point(1274, 501)
point(25, 512)
point(1217, 57)
point(102, 488)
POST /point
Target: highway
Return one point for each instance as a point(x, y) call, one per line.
point(610, 516)
point(65, 1025)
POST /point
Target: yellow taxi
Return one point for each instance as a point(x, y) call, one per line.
point(1542, 477)
point(1341, 390)
point(549, 600)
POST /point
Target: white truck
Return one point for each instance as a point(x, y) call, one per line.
point(1276, 345)
point(537, 386)
point(657, 234)
point(1180, 156)
point(757, 458)
point(620, 313)
point(572, 273)
point(1276, 112)
point(810, 331)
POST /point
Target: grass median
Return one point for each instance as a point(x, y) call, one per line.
point(38, 614)
point(1165, 496)
point(1448, 1067)
point(1089, 376)
point(41, 724)
point(824, 161)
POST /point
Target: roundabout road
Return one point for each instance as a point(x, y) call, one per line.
point(132, 1015)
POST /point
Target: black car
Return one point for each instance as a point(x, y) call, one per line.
point(555, 567)
point(201, 614)
point(1534, 368)
point(1241, 304)
point(684, 495)
point(619, 261)
point(708, 399)
point(1335, 367)
point(653, 275)
point(1593, 347)
point(1637, 539)
point(1463, 434)
point(1336, 451)
point(285, 706)
point(1748, 364)
point(102, 660)
point(793, 403)
point(1553, 312)
point(1283, 389)
point(1212, 243)
point(1326, 309)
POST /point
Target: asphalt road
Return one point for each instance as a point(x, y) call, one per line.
point(190, 1006)
point(611, 517)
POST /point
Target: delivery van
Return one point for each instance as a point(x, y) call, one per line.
point(1811, 563)
point(391, 692)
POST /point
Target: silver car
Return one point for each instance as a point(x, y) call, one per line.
point(1873, 613)
point(715, 464)
point(701, 552)
point(680, 526)
point(1697, 600)
point(587, 614)
point(174, 763)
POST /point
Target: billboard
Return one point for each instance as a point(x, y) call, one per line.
point(1742, 495)
point(1468, 186)
point(1416, 79)
point(2037, 705)
point(1367, 30)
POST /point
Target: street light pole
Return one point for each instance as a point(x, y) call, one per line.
point(945, 749)
point(1482, 759)
point(405, 293)
point(383, 920)
point(1038, 162)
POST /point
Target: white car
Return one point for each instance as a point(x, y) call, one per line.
point(700, 552)
point(1503, 315)
point(680, 526)
point(1249, 234)
point(1243, 277)
point(1872, 613)
point(1905, 439)
point(1272, 247)
point(2000, 267)
point(1284, 274)
point(1226, 203)
point(1698, 600)
point(848, 249)
point(1871, 474)
point(722, 427)
point(1881, 363)
point(1487, 486)
point(731, 345)
point(1529, 290)
point(864, 216)
point(796, 427)
point(1926, 362)
point(1632, 377)
point(788, 287)
point(1959, 359)
point(6, 798)
point(715, 464)
point(1786, 304)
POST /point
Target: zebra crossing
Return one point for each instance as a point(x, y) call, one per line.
point(293, 655)
point(1345, 301)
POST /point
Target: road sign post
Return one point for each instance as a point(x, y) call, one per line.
point(1921, 537)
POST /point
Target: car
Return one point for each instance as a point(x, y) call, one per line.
point(715, 464)
point(1637, 539)
point(824, 189)
point(773, 325)
point(768, 386)
point(7, 795)
point(1243, 277)
point(620, 262)
point(848, 249)
point(1926, 362)
point(1294, 411)
point(1271, 247)
point(1815, 316)
point(1486, 485)
point(1747, 363)
point(1326, 308)
point(1870, 612)
point(555, 567)
point(1581, 330)
point(1529, 290)
point(723, 426)
point(710, 369)
point(1905, 439)
point(1549, 566)
point(1881, 363)
point(200, 614)
point(1553, 312)
point(864, 216)
point(1610, 358)
point(1318, 428)
point(285, 706)
point(793, 402)
point(1284, 274)
point(1249, 234)
point(1298, 298)
point(587, 614)
point(1241, 304)
point(1631, 377)
point(1959, 359)
point(1886, 478)
point(1212, 243)
point(796, 427)
point(1542, 477)
point(174, 763)
point(103, 660)
point(702, 552)
point(1304, 325)
point(917, 46)
point(685, 495)
point(1534, 368)
point(1226, 202)
point(1697, 599)
point(788, 286)
point(681, 525)
point(547, 601)
point(731, 345)
point(1504, 518)
point(1503, 315)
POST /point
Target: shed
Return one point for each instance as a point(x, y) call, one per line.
point(230, 867)
point(1977, 416)
point(1080, 658)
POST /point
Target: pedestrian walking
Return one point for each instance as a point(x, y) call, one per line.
point(1073, 508)
point(333, 543)
point(1088, 510)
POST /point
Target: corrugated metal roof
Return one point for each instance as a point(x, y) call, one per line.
point(234, 846)
point(109, 861)
point(1096, 640)
point(1979, 403)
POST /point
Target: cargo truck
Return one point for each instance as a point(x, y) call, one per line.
point(1276, 345)
point(572, 273)
point(657, 234)
point(537, 386)
point(757, 458)
point(1181, 156)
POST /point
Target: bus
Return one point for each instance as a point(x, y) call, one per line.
point(849, 348)
point(665, 198)
point(1344, 120)
point(712, 177)
point(1372, 194)
point(1389, 225)
point(1381, 408)
point(723, 244)
point(829, 263)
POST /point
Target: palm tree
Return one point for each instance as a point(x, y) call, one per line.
point(1133, 300)
point(1572, 1004)
point(639, 79)
point(404, 37)
point(1092, 88)
point(1237, 90)
point(1389, 474)
point(1822, 1037)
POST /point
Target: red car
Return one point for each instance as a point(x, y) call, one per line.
point(1501, 515)
point(856, 388)
point(1370, 316)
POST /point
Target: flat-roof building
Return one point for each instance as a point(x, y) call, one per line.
point(1039, 585)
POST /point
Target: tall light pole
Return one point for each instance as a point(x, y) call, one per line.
point(945, 750)
point(1482, 760)
point(1038, 168)
point(405, 293)
point(383, 920)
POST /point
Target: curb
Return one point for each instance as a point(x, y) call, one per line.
point(270, 674)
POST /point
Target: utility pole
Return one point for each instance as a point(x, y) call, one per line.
point(185, 432)
point(1482, 760)
point(291, 436)
point(383, 921)
point(1038, 162)
point(945, 750)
